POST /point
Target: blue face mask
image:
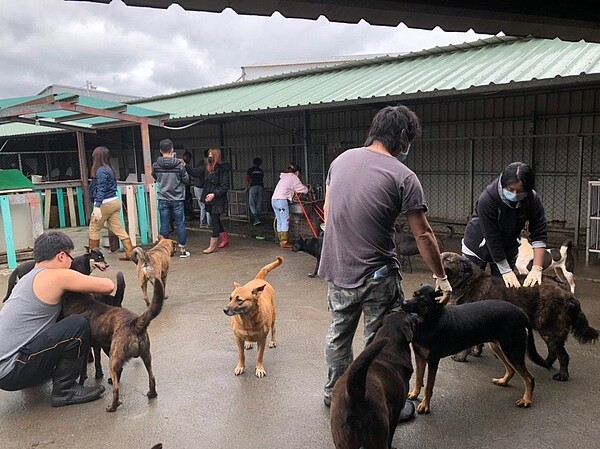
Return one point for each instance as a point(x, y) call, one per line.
point(514, 197)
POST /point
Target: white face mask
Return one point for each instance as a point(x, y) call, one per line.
point(404, 154)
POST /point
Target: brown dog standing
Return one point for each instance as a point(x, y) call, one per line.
point(154, 263)
point(368, 398)
point(252, 311)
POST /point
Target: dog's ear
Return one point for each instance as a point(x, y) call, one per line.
point(160, 237)
point(408, 326)
point(236, 285)
point(258, 290)
point(87, 249)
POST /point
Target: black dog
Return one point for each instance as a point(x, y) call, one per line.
point(447, 330)
point(312, 246)
point(86, 263)
point(406, 245)
point(368, 397)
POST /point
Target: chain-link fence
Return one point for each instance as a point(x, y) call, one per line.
point(51, 166)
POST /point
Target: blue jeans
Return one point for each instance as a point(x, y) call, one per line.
point(282, 213)
point(255, 197)
point(168, 209)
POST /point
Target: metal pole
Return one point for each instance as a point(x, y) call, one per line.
point(145, 135)
point(83, 171)
point(471, 176)
point(579, 182)
point(306, 144)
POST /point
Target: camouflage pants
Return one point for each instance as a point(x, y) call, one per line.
point(374, 299)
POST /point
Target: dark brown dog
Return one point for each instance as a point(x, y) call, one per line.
point(552, 310)
point(154, 263)
point(121, 333)
point(252, 311)
point(368, 397)
point(447, 330)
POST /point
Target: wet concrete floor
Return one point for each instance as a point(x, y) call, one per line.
point(202, 404)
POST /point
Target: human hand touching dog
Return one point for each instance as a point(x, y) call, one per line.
point(442, 284)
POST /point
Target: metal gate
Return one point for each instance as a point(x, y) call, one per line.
point(593, 227)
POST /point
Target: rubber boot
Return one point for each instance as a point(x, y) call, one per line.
point(66, 390)
point(212, 246)
point(93, 243)
point(224, 239)
point(283, 240)
point(128, 248)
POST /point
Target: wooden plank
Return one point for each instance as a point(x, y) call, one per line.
point(62, 217)
point(143, 214)
point(47, 203)
point(81, 207)
point(131, 214)
point(9, 237)
point(71, 202)
point(154, 217)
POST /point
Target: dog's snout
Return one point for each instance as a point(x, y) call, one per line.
point(227, 311)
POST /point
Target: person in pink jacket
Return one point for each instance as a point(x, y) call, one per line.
point(289, 183)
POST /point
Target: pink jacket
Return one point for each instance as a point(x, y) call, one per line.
point(288, 184)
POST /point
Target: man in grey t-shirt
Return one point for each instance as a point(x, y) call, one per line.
point(367, 188)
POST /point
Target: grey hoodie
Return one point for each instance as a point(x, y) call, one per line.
point(171, 176)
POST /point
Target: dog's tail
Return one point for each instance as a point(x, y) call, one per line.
point(580, 327)
point(12, 281)
point(138, 255)
point(141, 322)
point(264, 270)
point(120, 292)
point(356, 381)
point(534, 356)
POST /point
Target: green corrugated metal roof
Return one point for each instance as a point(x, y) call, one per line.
point(493, 61)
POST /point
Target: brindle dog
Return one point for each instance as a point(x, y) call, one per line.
point(121, 333)
point(552, 310)
point(154, 264)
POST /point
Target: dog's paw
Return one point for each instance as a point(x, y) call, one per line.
point(100, 375)
point(152, 394)
point(113, 407)
point(311, 275)
point(413, 395)
point(501, 382)
point(561, 377)
point(248, 345)
point(523, 403)
point(260, 372)
point(272, 344)
point(459, 358)
point(423, 408)
point(239, 370)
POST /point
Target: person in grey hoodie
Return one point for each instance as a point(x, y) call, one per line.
point(169, 172)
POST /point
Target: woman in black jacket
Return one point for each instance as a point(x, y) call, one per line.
point(500, 215)
point(214, 195)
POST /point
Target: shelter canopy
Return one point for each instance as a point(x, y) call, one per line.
point(72, 112)
point(567, 20)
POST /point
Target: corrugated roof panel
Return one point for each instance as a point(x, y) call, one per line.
point(494, 61)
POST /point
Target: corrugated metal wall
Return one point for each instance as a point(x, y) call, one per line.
point(466, 143)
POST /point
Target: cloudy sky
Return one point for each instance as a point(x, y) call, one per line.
point(145, 52)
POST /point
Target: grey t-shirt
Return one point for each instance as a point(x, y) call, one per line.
point(22, 318)
point(366, 191)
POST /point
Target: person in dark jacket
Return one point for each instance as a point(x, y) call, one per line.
point(501, 212)
point(214, 196)
point(197, 174)
point(107, 206)
point(256, 189)
point(169, 172)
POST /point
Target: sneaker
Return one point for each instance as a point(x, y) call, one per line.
point(184, 254)
point(256, 222)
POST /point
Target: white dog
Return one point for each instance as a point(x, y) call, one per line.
point(560, 260)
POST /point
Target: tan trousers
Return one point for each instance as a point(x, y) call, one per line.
point(110, 214)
